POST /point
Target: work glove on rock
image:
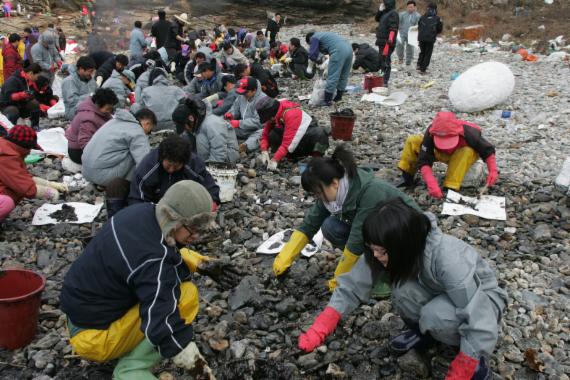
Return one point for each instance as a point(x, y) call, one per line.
point(345, 264)
point(431, 182)
point(323, 326)
point(493, 176)
point(192, 360)
point(462, 367)
point(46, 193)
point(263, 158)
point(223, 271)
point(228, 116)
point(272, 165)
point(289, 252)
point(62, 187)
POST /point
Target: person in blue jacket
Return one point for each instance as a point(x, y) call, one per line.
point(171, 162)
point(340, 61)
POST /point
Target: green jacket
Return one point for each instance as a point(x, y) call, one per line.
point(364, 193)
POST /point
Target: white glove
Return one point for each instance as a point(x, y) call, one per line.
point(99, 81)
point(272, 165)
point(263, 158)
point(190, 358)
point(212, 98)
point(310, 68)
point(46, 193)
point(382, 6)
point(288, 60)
point(62, 187)
point(173, 67)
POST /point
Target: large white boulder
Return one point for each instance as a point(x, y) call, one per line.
point(482, 86)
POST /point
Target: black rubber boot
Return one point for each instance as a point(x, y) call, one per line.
point(407, 180)
point(114, 205)
point(483, 372)
point(409, 339)
point(338, 96)
point(328, 99)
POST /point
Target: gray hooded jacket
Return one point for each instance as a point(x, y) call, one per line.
point(74, 91)
point(115, 149)
point(161, 98)
point(115, 83)
point(216, 140)
point(246, 112)
point(45, 57)
point(450, 267)
point(407, 20)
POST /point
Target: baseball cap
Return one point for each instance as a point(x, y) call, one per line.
point(23, 136)
point(445, 130)
point(246, 84)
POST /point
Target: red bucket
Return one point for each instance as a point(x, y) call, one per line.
point(342, 126)
point(20, 300)
point(371, 81)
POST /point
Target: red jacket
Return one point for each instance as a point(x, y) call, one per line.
point(294, 123)
point(15, 180)
point(12, 60)
point(283, 49)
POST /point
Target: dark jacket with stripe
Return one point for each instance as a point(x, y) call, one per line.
point(129, 263)
point(151, 180)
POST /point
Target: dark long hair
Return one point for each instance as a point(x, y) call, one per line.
point(321, 171)
point(402, 231)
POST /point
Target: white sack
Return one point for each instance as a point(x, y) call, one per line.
point(481, 87)
point(56, 111)
point(318, 94)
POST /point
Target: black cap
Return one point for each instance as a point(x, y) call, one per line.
point(267, 109)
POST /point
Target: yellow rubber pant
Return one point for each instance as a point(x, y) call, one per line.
point(458, 163)
point(125, 334)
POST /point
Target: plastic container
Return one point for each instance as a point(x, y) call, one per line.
point(342, 126)
point(371, 81)
point(20, 300)
point(225, 175)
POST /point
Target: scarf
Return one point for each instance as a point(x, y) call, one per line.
point(335, 206)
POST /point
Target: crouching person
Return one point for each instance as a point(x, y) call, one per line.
point(16, 182)
point(111, 156)
point(441, 287)
point(288, 132)
point(172, 162)
point(456, 142)
point(128, 297)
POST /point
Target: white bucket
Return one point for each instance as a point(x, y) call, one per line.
point(225, 175)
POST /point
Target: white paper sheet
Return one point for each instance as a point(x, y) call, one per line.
point(488, 207)
point(85, 212)
point(394, 99)
point(52, 141)
point(276, 241)
point(413, 36)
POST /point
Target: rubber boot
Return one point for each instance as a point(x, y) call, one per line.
point(114, 205)
point(136, 365)
point(328, 99)
point(345, 264)
point(483, 372)
point(338, 96)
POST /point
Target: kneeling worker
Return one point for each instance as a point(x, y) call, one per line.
point(128, 297)
point(456, 142)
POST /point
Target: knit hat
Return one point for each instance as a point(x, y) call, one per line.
point(186, 203)
point(267, 109)
point(23, 136)
point(445, 130)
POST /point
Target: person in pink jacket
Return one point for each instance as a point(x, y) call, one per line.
point(91, 114)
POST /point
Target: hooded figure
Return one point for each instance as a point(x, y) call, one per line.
point(161, 98)
point(213, 138)
point(386, 35)
point(122, 84)
point(456, 142)
point(45, 54)
point(129, 295)
point(366, 57)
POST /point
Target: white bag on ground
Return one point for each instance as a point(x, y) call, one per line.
point(56, 111)
point(318, 94)
point(53, 141)
point(481, 87)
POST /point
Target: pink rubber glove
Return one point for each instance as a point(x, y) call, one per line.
point(462, 367)
point(323, 326)
point(235, 123)
point(493, 176)
point(228, 116)
point(431, 182)
point(214, 207)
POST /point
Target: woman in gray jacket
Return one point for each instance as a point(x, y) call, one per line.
point(441, 288)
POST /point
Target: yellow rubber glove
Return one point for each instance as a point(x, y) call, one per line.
point(345, 264)
point(272, 61)
point(290, 252)
point(283, 59)
point(192, 259)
